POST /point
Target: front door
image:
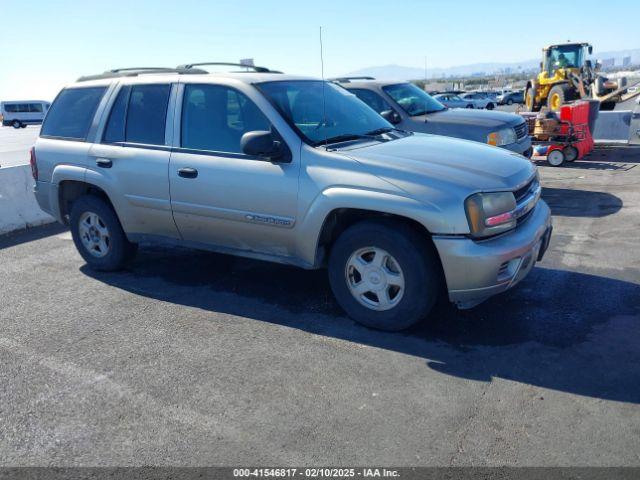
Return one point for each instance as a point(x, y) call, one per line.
point(219, 195)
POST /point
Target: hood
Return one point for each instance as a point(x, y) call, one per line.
point(446, 169)
point(465, 123)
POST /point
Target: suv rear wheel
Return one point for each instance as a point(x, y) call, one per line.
point(384, 275)
point(98, 235)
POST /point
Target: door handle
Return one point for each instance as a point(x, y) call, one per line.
point(104, 162)
point(188, 172)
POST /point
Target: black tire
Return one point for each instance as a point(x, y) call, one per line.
point(24, 125)
point(570, 153)
point(119, 251)
point(563, 92)
point(418, 263)
point(532, 106)
point(490, 106)
point(16, 124)
point(469, 106)
point(510, 102)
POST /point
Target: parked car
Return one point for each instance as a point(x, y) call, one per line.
point(292, 170)
point(511, 98)
point(19, 114)
point(451, 100)
point(410, 108)
point(480, 100)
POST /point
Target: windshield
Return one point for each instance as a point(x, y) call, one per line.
point(565, 56)
point(413, 100)
point(323, 112)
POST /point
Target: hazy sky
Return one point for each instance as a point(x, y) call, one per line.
point(47, 43)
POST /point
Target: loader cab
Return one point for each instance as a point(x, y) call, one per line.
point(565, 56)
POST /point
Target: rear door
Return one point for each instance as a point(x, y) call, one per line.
point(132, 158)
point(219, 195)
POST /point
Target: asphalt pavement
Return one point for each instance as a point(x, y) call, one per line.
point(195, 358)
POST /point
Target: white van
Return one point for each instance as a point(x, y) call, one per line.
point(21, 113)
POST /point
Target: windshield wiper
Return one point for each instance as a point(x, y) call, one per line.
point(345, 138)
point(380, 131)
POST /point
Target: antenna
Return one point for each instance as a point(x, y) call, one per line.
point(324, 111)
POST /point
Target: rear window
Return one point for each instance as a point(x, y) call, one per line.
point(71, 114)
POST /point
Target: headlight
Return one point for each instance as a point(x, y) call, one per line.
point(505, 136)
point(490, 213)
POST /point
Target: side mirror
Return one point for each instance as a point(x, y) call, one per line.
point(261, 143)
point(590, 49)
point(391, 116)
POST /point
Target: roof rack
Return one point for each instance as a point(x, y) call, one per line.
point(349, 79)
point(190, 66)
point(135, 71)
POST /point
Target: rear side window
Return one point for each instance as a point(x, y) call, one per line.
point(35, 107)
point(71, 114)
point(117, 118)
point(138, 115)
point(147, 114)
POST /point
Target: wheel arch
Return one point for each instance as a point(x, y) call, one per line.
point(338, 208)
point(69, 190)
point(340, 219)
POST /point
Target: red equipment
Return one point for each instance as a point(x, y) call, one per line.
point(569, 138)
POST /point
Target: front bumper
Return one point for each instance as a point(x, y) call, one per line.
point(477, 270)
point(522, 146)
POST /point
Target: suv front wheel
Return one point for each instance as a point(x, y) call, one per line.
point(98, 235)
point(384, 274)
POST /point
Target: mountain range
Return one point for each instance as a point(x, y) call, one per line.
point(412, 73)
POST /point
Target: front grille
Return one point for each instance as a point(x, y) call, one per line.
point(524, 191)
point(524, 217)
point(521, 195)
point(522, 130)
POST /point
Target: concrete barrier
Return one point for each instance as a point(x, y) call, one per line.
point(613, 127)
point(18, 206)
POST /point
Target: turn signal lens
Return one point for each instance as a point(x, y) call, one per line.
point(499, 219)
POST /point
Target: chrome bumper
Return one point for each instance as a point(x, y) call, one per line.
point(477, 270)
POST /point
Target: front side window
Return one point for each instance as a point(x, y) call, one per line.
point(71, 113)
point(372, 99)
point(412, 99)
point(215, 117)
point(321, 111)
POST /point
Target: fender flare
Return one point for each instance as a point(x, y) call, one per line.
point(335, 198)
point(62, 173)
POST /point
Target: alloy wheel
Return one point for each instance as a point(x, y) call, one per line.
point(94, 234)
point(374, 278)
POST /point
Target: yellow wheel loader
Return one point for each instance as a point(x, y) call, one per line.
point(566, 75)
